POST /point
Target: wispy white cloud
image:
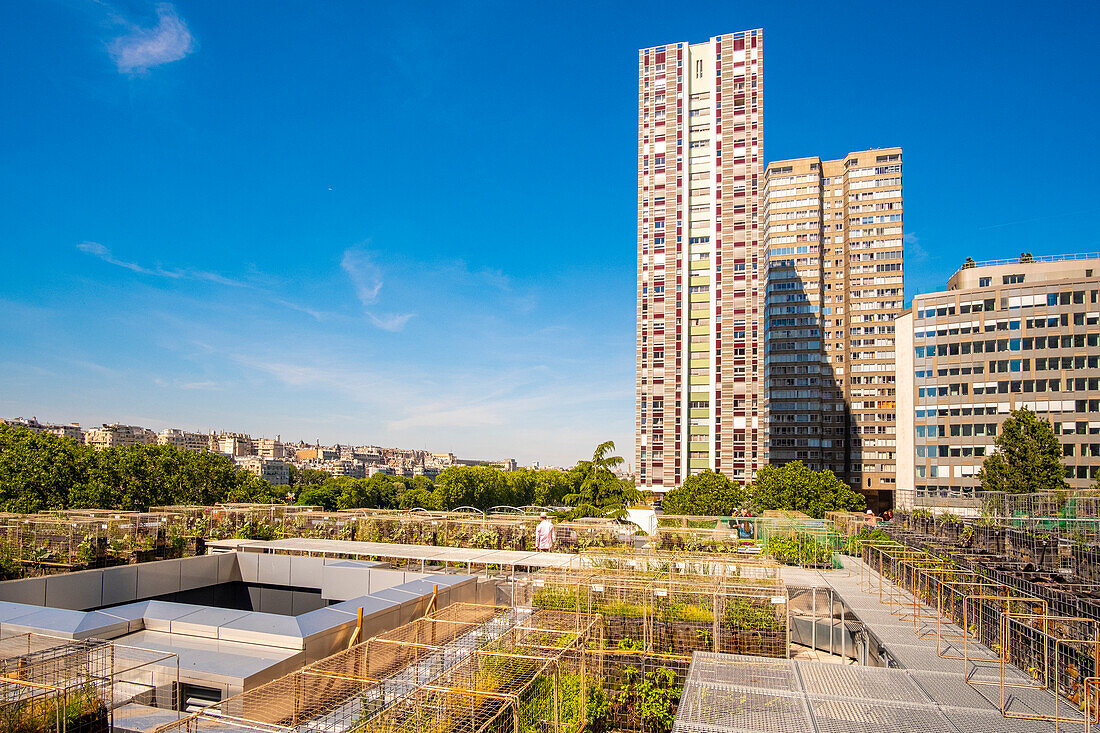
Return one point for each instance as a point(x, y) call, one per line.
point(365, 275)
point(390, 321)
point(366, 278)
point(140, 49)
point(415, 401)
point(914, 251)
point(104, 253)
point(317, 315)
point(208, 385)
point(99, 369)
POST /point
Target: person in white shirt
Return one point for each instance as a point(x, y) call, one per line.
point(544, 534)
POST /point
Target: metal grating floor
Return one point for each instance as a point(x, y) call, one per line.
point(872, 716)
point(740, 694)
point(927, 694)
point(859, 682)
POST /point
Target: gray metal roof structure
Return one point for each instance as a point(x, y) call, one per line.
point(427, 554)
point(219, 647)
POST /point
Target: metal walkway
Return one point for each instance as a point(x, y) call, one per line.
point(928, 691)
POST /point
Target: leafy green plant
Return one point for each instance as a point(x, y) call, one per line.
point(741, 613)
point(798, 550)
point(679, 611)
point(627, 644)
point(947, 518)
point(620, 608)
point(488, 540)
point(598, 709)
point(85, 551)
point(967, 536)
point(71, 710)
point(866, 534)
point(651, 698)
point(555, 599)
point(10, 567)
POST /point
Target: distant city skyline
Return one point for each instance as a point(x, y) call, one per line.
point(416, 225)
point(166, 426)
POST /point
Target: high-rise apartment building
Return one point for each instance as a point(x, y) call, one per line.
point(700, 172)
point(1005, 335)
point(834, 283)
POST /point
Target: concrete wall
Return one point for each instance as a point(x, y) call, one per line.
point(89, 589)
point(338, 580)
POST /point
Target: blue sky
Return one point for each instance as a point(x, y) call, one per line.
point(413, 224)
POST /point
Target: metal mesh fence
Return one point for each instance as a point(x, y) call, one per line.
point(466, 667)
point(69, 686)
point(674, 615)
point(975, 613)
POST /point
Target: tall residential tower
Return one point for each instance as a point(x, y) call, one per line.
point(834, 281)
point(700, 175)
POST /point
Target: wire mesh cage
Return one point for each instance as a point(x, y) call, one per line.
point(672, 614)
point(71, 686)
point(726, 565)
point(466, 667)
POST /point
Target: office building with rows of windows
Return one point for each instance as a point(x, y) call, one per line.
point(700, 171)
point(1004, 336)
point(834, 283)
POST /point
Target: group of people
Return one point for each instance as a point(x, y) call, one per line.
point(887, 516)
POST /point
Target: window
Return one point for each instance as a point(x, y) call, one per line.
point(699, 69)
point(984, 282)
point(1012, 279)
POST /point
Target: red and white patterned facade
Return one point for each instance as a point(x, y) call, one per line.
point(699, 401)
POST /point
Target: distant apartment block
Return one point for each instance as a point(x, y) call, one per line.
point(119, 436)
point(269, 447)
point(72, 430)
point(340, 467)
point(273, 470)
point(834, 283)
point(699, 271)
point(233, 444)
point(316, 454)
point(1004, 335)
point(183, 440)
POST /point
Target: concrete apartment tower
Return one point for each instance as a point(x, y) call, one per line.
point(1005, 335)
point(834, 281)
point(699, 335)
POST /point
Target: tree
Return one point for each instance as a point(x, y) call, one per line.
point(795, 487)
point(601, 492)
point(39, 470)
point(325, 496)
point(704, 494)
point(42, 471)
point(307, 476)
point(1026, 257)
point(1028, 458)
point(969, 263)
point(478, 486)
point(418, 497)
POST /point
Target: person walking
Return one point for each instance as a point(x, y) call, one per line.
point(544, 534)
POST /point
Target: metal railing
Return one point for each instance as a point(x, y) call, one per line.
point(1033, 259)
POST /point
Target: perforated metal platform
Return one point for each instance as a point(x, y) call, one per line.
point(740, 694)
